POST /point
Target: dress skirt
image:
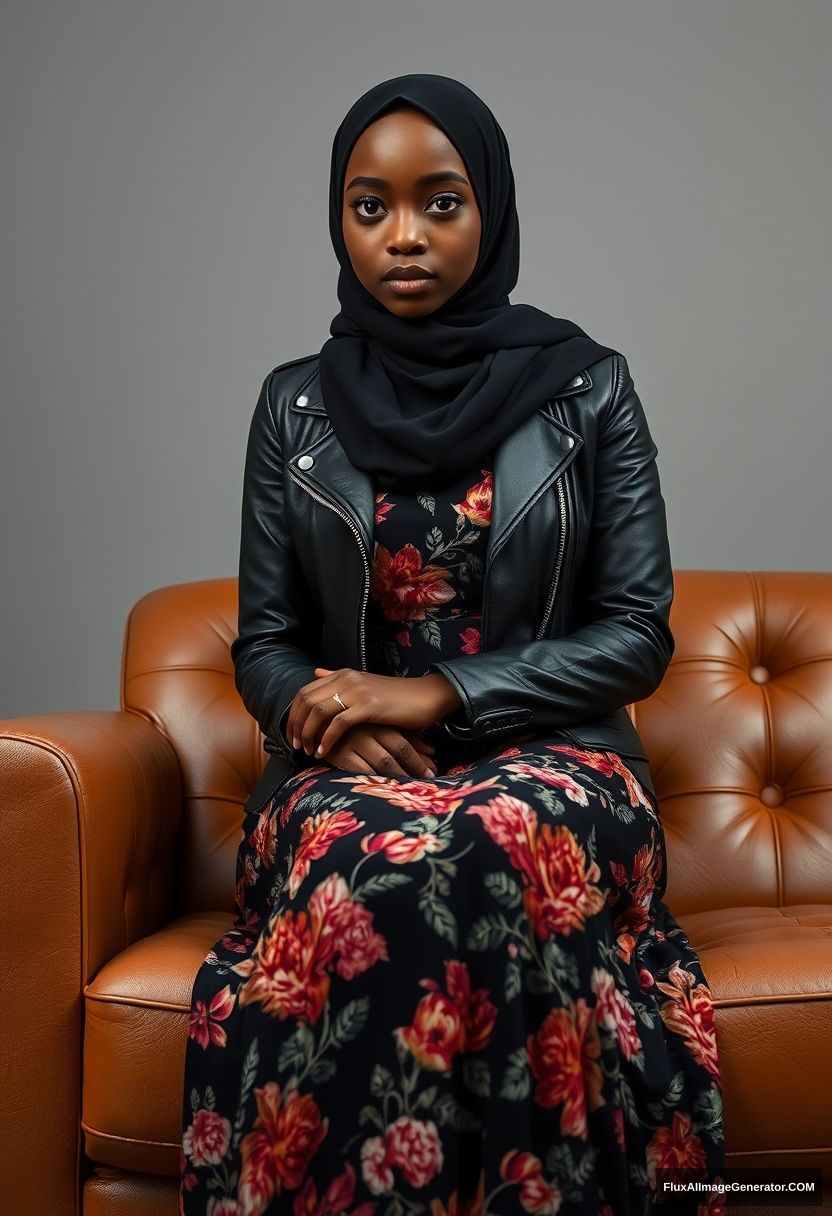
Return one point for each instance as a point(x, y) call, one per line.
point(455, 996)
point(462, 995)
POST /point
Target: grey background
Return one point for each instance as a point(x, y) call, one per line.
point(165, 245)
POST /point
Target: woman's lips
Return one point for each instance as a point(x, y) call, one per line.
point(408, 287)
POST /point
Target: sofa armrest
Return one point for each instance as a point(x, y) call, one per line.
point(91, 805)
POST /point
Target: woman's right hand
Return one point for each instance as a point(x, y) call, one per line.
point(383, 750)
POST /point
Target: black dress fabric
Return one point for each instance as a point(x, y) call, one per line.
point(454, 995)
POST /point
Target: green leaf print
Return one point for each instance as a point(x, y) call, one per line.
point(440, 918)
point(516, 1082)
point(381, 1081)
point(379, 883)
point(297, 1050)
point(513, 980)
point(350, 1020)
point(476, 1075)
point(504, 888)
point(486, 933)
point(250, 1064)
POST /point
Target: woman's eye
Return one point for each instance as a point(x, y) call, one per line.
point(448, 198)
point(369, 201)
point(366, 200)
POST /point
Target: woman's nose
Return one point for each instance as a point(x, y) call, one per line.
point(406, 234)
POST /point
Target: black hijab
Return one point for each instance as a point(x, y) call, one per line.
point(416, 400)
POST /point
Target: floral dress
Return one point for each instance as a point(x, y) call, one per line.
point(452, 996)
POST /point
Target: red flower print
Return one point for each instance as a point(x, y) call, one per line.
point(560, 891)
point(470, 641)
point(475, 1206)
point(337, 1198)
point(606, 763)
point(288, 967)
point(436, 1033)
point(264, 836)
point(400, 848)
point(382, 508)
point(420, 797)
point(615, 1012)
point(562, 781)
point(536, 1194)
point(674, 1148)
point(478, 1013)
point(625, 944)
point(690, 1013)
point(564, 1059)
point(203, 1022)
point(646, 874)
point(409, 1145)
point(296, 795)
point(284, 975)
point(645, 979)
point(405, 591)
point(444, 1024)
point(476, 507)
point(317, 834)
point(207, 1139)
point(276, 1153)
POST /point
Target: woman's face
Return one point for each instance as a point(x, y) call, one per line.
point(393, 216)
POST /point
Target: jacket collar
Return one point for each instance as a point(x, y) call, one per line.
point(524, 464)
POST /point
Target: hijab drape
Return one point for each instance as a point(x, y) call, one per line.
point(415, 400)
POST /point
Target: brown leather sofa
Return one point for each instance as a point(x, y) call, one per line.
point(119, 839)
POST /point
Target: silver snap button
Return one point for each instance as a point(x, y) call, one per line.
point(306, 462)
point(303, 399)
point(567, 442)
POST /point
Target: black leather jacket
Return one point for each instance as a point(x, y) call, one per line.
point(578, 581)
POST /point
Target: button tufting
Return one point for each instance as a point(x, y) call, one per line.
point(567, 442)
point(305, 462)
point(760, 675)
point(771, 795)
point(302, 400)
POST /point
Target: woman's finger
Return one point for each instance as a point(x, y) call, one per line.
point(302, 703)
point(407, 757)
point(340, 722)
point(353, 762)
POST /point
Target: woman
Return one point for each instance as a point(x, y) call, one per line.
point(452, 984)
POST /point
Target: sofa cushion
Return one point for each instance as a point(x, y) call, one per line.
point(769, 971)
point(135, 1033)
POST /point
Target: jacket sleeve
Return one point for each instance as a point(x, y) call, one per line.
point(623, 647)
point(278, 625)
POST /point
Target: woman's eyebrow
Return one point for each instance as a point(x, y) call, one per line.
point(428, 179)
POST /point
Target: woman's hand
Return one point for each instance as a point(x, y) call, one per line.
point(317, 721)
point(382, 750)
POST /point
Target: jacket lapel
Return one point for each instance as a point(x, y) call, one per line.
point(524, 466)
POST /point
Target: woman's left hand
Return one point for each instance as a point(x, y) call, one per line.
point(316, 720)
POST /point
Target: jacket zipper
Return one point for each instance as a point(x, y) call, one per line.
point(354, 529)
point(556, 576)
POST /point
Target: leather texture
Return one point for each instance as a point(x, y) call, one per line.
point(578, 582)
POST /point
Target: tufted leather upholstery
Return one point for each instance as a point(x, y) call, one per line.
point(122, 830)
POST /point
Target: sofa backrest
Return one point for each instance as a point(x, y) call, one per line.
point(739, 735)
point(176, 670)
